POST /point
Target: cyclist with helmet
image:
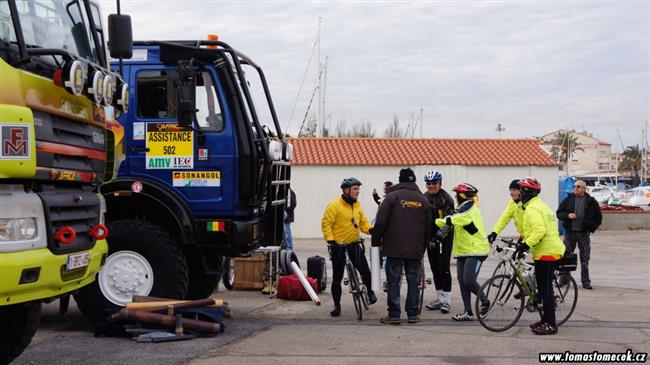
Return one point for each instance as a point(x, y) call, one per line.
point(513, 211)
point(342, 221)
point(439, 250)
point(471, 247)
point(543, 241)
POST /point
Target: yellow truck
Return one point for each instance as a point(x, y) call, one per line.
point(58, 100)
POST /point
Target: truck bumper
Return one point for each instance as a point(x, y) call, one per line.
point(53, 280)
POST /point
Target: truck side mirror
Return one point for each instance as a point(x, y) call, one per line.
point(186, 94)
point(120, 36)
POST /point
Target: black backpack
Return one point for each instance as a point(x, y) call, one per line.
point(316, 269)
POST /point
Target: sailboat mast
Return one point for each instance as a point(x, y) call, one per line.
point(319, 131)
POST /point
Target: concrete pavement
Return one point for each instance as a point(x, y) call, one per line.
point(614, 317)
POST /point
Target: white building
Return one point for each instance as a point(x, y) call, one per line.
point(593, 158)
point(320, 164)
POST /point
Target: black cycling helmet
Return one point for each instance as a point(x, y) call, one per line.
point(514, 184)
point(349, 182)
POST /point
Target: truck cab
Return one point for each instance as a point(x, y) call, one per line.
point(57, 102)
point(203, 173)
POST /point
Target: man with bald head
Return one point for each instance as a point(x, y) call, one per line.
point(581, 216)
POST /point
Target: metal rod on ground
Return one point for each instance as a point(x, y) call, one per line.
point(169, 321)
point(154, 306)
point(305, 284)
point(375, 265)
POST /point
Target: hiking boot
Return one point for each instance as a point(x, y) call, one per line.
point(413, 320)
point(372, 299)
point(485, 307)
point(389, 320)
point(444, 308)
point(336, 312)
point(463, 317)
point(545, 329)
point(436, 304)
point(535, 325)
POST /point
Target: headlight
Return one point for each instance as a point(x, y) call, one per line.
point(289, 152)
point(95, 86)
point(109, 90)
point(275, 149)
point(17, 229)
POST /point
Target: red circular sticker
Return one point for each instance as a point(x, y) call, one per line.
point(136, 187)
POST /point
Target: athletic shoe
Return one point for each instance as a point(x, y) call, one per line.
point(463, 317)
point(444, 308)
point(545, 329)
point(336, 312)
point(485, 307)
point(535, 325)
point(414, 320)
point(388, 320)
point(372, 299)
point(436, 304)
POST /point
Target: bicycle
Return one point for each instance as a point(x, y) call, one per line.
point(422, 284)
point(357, 288)
point(501, 290)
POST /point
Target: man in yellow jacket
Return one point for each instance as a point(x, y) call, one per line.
point(543, 241)
point(513, 211)
point(342, 221)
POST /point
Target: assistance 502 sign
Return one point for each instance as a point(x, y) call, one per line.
point(201, 179)
point(169, 146)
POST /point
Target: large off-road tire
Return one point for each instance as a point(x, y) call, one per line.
point(228, 273)
point(19, 324)
point(143, 259)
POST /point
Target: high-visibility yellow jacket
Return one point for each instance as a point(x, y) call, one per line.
point(469, 231)
point(337, 224)
point(513, 211)
point(540, 230)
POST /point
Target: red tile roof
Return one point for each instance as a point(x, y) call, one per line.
point(418, 151)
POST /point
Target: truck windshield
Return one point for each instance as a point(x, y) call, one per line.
point(53, 24)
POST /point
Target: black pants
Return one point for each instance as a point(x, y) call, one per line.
point(337, 255)
point(467, 269)
point(582, 240)
point(544, 278)
point(439, 254)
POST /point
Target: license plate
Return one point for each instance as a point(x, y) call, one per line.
point(78, 260)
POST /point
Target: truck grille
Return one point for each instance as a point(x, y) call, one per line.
point(74, 206)
point(65, 145)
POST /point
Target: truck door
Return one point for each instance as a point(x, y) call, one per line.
point(198, 162)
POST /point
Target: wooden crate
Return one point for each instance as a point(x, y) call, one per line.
point(249, 271)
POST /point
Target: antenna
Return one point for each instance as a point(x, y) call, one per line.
point(500, 129)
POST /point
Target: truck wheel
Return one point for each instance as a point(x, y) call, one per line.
point(201, 285)
point(143, 259)
point(229, 273)
point(20, 322)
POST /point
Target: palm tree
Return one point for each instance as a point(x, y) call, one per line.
point(564, 145)
point(632, 160)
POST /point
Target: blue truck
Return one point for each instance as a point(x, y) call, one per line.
point(202, 178)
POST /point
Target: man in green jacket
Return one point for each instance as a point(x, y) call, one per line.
point(543, 241)
point(513, 211)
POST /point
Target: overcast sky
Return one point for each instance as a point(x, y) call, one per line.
point(532, 66)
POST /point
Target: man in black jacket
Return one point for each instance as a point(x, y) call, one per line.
point(581, 216)
point(288, 219)
point(402, 229)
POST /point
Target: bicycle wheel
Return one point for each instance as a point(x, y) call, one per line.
point(500, 269)
point(364, 296)
point(565, 291)
point(504, 310)
point(355, 290)
point(421, 285)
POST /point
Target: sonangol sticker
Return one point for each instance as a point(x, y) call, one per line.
point(136, 187)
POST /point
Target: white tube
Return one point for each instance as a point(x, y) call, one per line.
point(375, 268)
point(305, 284)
